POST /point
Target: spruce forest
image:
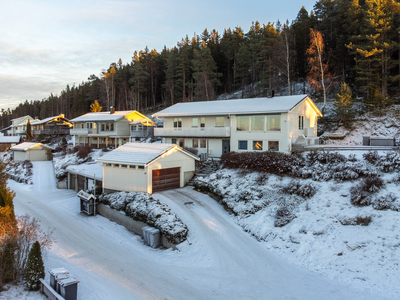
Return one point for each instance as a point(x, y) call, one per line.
point(356, 42)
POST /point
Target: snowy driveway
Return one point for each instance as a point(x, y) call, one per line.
point(220, 261)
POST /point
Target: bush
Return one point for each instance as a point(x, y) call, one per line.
point(306, 190)
point(372, 184)
point(82, 151)
point(371, 156)
point(34, 268)
point(384, 202)
point(283, 216)
point(7, 266)
point(324, 157)
point(359, 220)
point(359, 197)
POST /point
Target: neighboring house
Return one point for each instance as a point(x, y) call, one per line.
point(145, 167)
point(82, 177)
point(53, 125)
point(114, 128)
point(31, 151)
point(8, 141)
point(18, 126)
point(257, 124)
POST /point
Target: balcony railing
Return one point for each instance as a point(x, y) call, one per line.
point(193, 132)
point(51, 131)
point(140, 133)
point(16, 131)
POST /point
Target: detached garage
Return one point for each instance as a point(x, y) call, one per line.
point(141, 167)
point(31, 151)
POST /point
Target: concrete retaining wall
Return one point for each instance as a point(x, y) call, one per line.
point(130, 224)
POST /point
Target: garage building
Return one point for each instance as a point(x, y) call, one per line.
point(31, 151)
point(143, 167)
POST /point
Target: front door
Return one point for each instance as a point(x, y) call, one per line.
point(226, 146)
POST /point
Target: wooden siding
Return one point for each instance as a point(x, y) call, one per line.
point(165, 179)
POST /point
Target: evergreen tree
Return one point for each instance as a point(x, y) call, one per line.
point(344, 112)
point(34, 269)
point(28, 130)
point(7, 266)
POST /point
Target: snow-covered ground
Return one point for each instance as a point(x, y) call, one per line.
point(219, 260)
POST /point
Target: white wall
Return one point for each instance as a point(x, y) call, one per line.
point(20, 155)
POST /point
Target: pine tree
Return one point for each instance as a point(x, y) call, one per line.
point(7, 266)
point(28, 130)
point(34, 268)
point(344, 111)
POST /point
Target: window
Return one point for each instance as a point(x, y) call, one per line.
point(257, 123)
point(273, 146)
point(242, 145)
point(242, 123)
point(203, 143)
point(124, 166)
point(273, 122)
point(177, 122)
point(301, 122)
point(103, 127)
point(195, 143)
point(173, 141)
point(257, 145)
point(195, 122)
point(202, 122)
point(182, 143)
point(220, 121)
point(141, 167)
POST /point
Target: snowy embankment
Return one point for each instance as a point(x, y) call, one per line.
point(313, 223)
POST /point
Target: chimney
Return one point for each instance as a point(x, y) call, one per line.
point(112, 110)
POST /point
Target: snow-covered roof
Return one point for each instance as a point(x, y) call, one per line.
point(9, 139)
point(21, 119)
point(234, 107)
point(139, 153)
point(28, 145)
point(39, 122)
point(102, 116)
point(90, 170)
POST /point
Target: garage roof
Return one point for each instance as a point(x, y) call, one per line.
point(9, 139)
point(139, 153)
point(27, 145)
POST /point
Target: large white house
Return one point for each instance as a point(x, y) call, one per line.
point(256, 124)
point(18, 126)
point(114, 128)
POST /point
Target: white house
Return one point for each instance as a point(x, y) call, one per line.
point(18, 125)
point(144, 167)
point(114, 128)
point(256, 124)
point(31, 151)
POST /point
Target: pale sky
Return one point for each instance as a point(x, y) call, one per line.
point(47, 44)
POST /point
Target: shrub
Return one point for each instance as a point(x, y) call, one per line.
point(359, 197)
point(262, 178)
point(82, 151)
point(371, 156)
point(324, 157)
point(7, 266)
point(34, 268)
point(384, 202)
point(306, 190)
point(359, 220)
point(283, 216)
point(372, 184)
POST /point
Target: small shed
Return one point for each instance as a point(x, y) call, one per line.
point(84, 177)
point(31, 151)
point(144, 167)
point(8, 142)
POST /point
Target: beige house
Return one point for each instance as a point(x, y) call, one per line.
point(18, 126)
point(144, 167)
point(114, 128)
point(31, 151)
point(256, 124)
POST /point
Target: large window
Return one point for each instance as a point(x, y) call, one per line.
point(273, 122)
point(257, 123)
point(273, 145)
point(257, 145)
point(242, 145)
point(220, 121)
point(177, 122)
point(173, 141)
point(107, 127)
point(195, 122)
point(242, 123)
point(203, 143)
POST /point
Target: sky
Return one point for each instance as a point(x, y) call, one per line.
point(46, 45)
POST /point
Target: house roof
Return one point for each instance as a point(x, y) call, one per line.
point(90, 170)
point(102, 116)
point(235, 107)
point(21, 119)
point(44, 121)
point(139, 153)
point(28, 145)
point(9, 139)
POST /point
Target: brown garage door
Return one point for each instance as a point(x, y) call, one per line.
point(166, 179)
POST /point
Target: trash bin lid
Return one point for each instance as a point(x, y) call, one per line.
point(67, 281)
point(56, 271)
